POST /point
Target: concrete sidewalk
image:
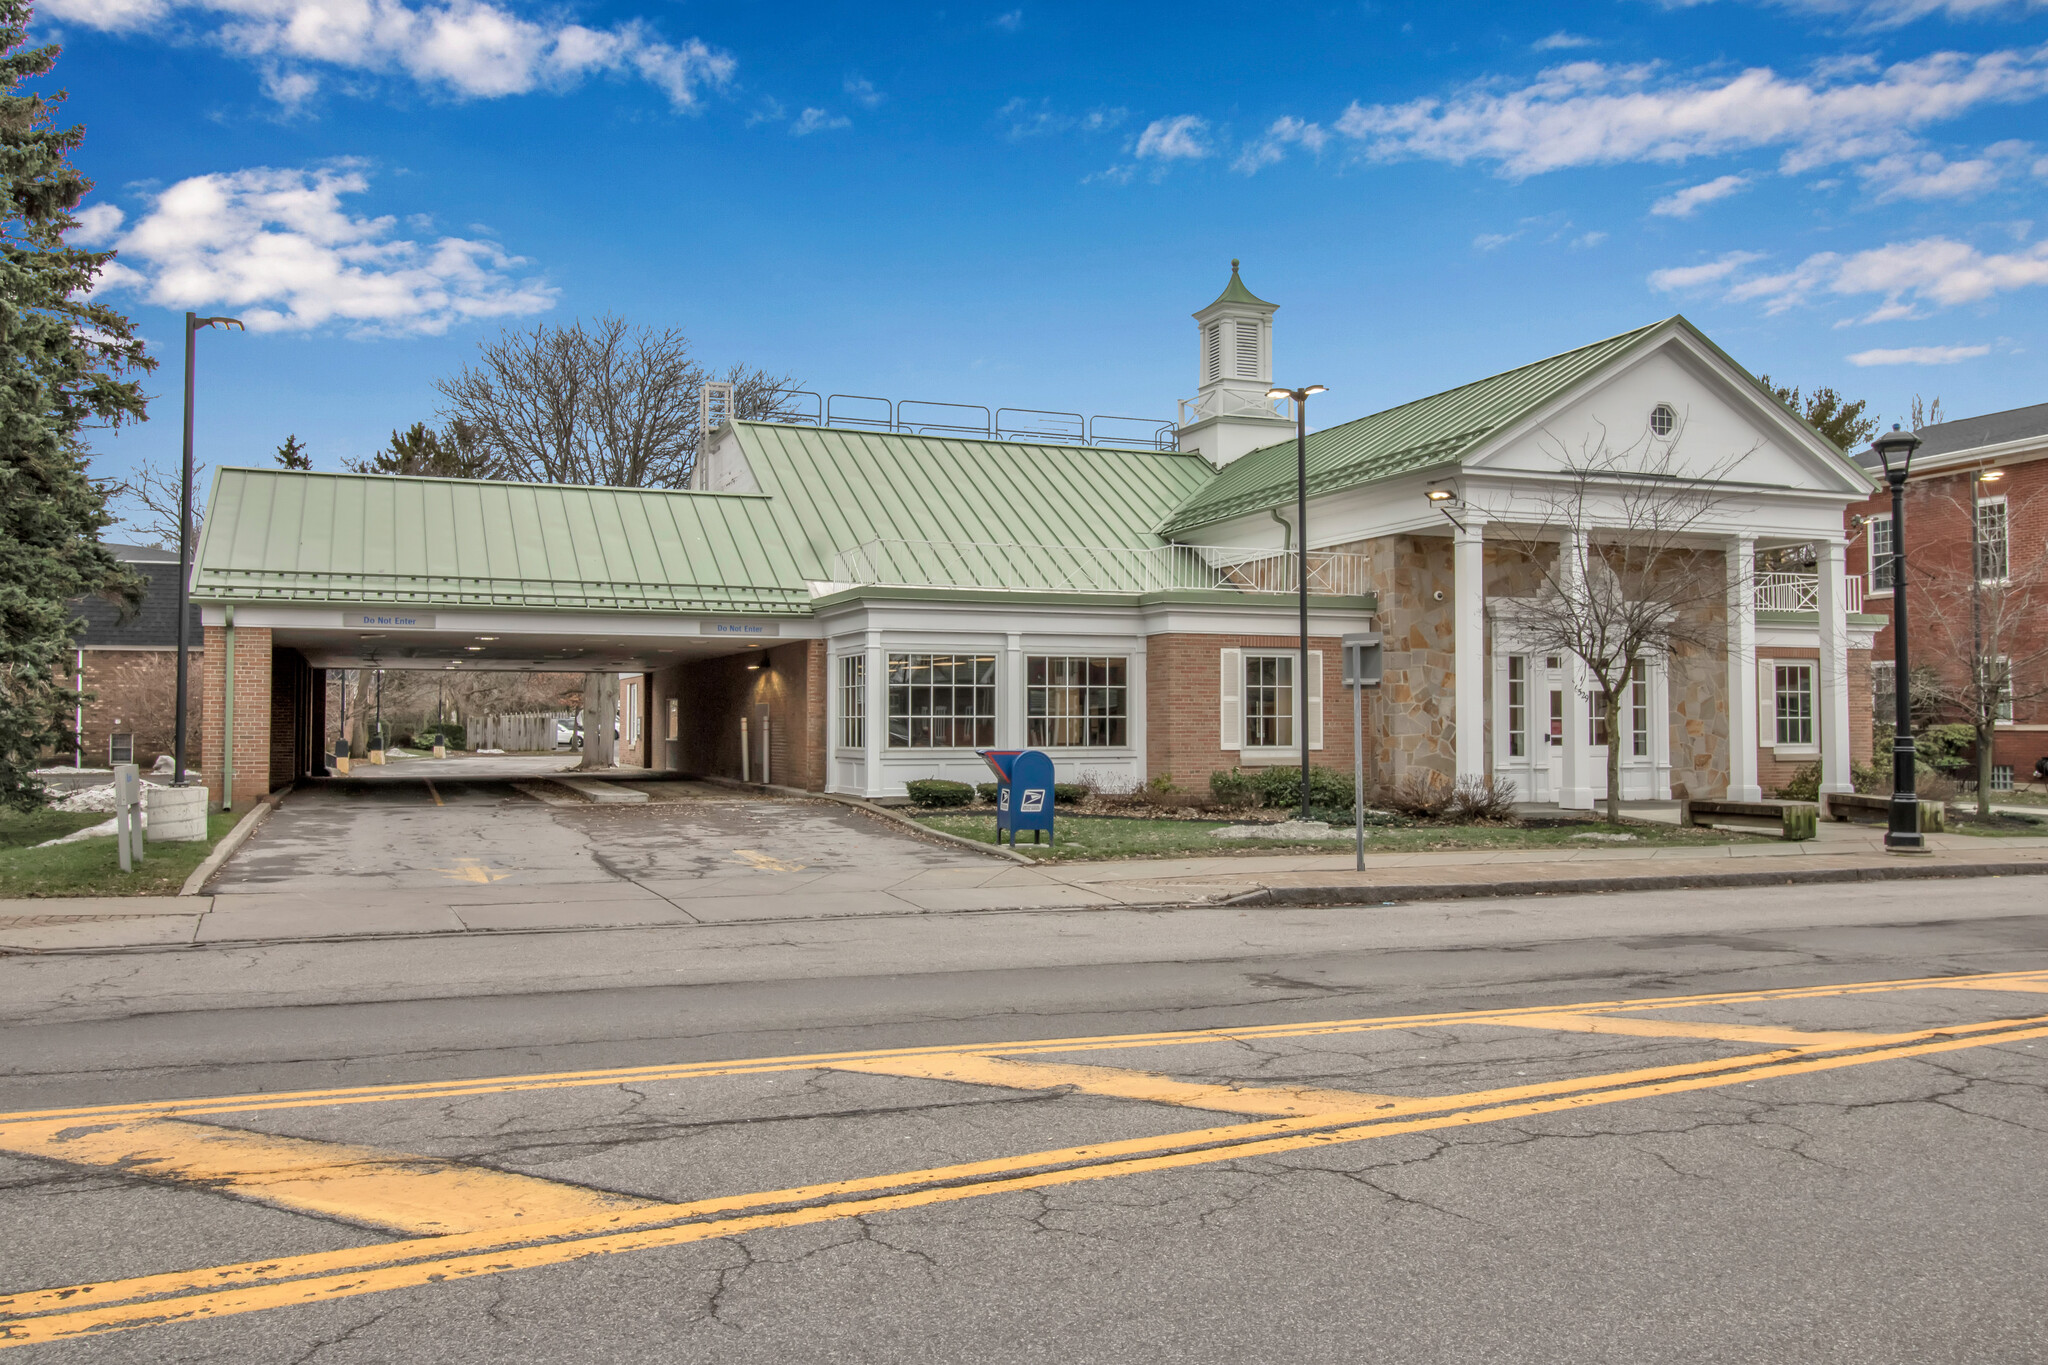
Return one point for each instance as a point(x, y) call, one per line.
point(976, 885)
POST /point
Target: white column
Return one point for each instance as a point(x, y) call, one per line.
point(1742, 703)
point(1575, 775)
point(1010, 695)
point(1834, 669)
point(1468, 622)
point(876, 729)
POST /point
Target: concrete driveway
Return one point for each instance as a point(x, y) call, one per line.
point(472, 845)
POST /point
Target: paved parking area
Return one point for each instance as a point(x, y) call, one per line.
point(459, 846)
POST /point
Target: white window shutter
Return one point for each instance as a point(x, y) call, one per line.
point(1315, 699)
point(1233, 700)
point(1767, 702)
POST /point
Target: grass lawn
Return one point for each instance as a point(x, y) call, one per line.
point(90, 867)
point(1965, 820)
point(1089, 837)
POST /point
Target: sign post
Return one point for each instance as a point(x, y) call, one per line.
point(1361, 670)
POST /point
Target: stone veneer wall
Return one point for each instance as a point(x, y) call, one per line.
point(1417, 691)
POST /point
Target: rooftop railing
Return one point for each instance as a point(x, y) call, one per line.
point(1230, 403)
point(1095, 568)
point(921, 417)
point(1801, 592)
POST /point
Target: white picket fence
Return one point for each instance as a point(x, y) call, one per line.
point(526, 731)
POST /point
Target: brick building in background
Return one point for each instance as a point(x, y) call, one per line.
point(131, 669)
point(2003, 458)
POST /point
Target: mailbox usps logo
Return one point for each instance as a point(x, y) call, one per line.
point(1003, 799)
point(1034, 800)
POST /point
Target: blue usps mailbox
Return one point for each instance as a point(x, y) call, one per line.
point(1023, 792)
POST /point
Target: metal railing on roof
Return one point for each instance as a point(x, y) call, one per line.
point(1230, 403)
point(929, 417)
point(1094, 568)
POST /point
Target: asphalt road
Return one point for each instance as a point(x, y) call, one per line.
point(1596, 1129)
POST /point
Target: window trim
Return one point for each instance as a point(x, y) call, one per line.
point(1290, 745)
point(1518, 706)
point(2004, 509)
point(1810, 668)
point(1663, 406)
point(853, 702)
point(994, 687)
point(1870, 555)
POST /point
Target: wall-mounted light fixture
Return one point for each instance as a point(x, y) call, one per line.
point(1444, 500)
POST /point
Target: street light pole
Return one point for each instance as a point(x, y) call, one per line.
point(1902, 834)
point(1300, 397)
point(193, 324)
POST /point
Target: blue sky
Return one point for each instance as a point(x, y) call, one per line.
point(1021, 205)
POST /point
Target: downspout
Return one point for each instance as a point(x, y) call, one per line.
point(1287, 527)
point(227, 720)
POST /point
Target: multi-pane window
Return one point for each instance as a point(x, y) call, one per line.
point(1518, 705)
point(1883, 685)
point(1991, 558)
point(1881, 548)
point(1998, 686)
point(2001, 777)
point(1076, 701)
point(1794, 693)
point(1639, 709)
point(853, 701)
point(1268, 700)
point(1596, 719)
point(942, 701)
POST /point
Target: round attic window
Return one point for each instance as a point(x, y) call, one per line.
point(1663, 419)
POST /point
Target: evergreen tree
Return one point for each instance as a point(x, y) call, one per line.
point(292, 454)
point(62, 362)
point(421, 450)
point(1841, 420)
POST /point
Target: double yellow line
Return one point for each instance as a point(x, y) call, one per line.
point(228, 1290)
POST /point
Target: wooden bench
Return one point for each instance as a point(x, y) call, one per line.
point(1878, 809)
point(1794, 819)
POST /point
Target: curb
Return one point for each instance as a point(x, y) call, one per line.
point(1581, 886)
point(921, 830)
point(230, 844)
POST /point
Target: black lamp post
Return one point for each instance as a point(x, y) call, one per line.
point(1895, 448)
point(193, 324)
point(1300, 397)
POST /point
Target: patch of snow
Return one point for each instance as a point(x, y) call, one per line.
point(1595, 837)
point(1286, 829)
point(103, 829)
point(100, 798)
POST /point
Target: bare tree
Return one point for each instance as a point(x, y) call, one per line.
point(1623, 577)
point(1986, 610)
point(602, 403)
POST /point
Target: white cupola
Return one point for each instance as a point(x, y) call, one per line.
point(1230, 414)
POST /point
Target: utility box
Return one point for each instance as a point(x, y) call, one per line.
point(1362, 659)
point(1023, 792)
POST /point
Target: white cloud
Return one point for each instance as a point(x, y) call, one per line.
point(1678, 279)
point(1587, 114)
point(1934, 272)
point(466, 48)
point(1175, 139)
point(1028, 119)
point(1919, 355)
point(1272, 147)
point(817, 121)
point(1588, 239)
point(1561, 41)
point(863, 92)
point(278, 249)
point(1894, 13)
point(1686, 202)
point(1929, 175)
point(1493, 241)
point(1009, 21)
point(97, 223)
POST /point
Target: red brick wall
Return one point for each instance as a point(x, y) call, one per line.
point(135, 691)
point(716, 693)
point(1184, 707)
point(252, 713)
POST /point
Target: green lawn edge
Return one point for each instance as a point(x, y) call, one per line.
point(92, 867)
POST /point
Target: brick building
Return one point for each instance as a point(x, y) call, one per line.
point(851, 607)
point(1999, 463)
point(130, 668)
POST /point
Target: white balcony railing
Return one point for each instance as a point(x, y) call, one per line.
point(1801, 592)
point(1093, 568)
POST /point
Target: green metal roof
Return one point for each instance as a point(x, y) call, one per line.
point(835, 489)
point(1235, 292)
point(1419, 435)
point(283, 535)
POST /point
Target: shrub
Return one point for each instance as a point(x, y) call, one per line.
point(1234, 790)
point(933, 792)
point(1936, 786)
point(444, 732)
point(1947, 749)
point(1280, 788)
point(1803, 786)
point(1071, 793)
point(1422, 792)
point(985, 792)
point(1481, 798)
